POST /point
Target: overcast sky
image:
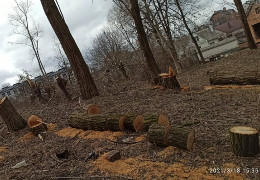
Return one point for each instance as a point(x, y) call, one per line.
point(84, 18)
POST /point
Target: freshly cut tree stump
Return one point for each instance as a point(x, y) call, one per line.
point(158, 134)
point(92, 109)
point(10, 116)
point(148, 120)
point(95, 122)
point(181, 137)
point(244, 141)
point(168, 80)
point(36, 125)
point(239, 78)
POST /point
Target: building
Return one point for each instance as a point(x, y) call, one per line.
point(253, 18)
point(223, 16)
point(16, 89)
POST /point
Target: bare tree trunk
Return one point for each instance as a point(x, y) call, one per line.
point(142, 38)
point(189, 31)
point(86, 83)
point(241, 12)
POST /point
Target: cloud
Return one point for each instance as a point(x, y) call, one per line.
point(83, 18)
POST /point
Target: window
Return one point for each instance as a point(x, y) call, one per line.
point(212, 43)
point(9, 93)
point(3, 95)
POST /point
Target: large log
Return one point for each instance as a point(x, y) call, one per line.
point(239, 78)
point(95, 122)
point(148, 120)
point(131, 121)
point(158, 134)
point(244, 141)
point(10, 116)
point(181, 137)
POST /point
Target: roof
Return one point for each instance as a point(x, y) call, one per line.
point(224, 12)
point(207, 34)
point(229, 26)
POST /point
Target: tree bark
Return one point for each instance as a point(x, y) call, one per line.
point(86, 83)
point(244, 141)
point(95, 122)
point(12, 119)
point(239, 78)
point(142, 38)
point(242, 14)
point(189, 31)
point(158, 134)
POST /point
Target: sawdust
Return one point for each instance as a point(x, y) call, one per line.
point(51, 126)
point(140, 138)
point(90, 134)
point(3, 149)
point(134, 167)
point(168, 151)
point(28, 136)
point(69, 132)
point(232, 87)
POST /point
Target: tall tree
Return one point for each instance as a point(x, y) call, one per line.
point(242, 14)
point(85, 80)
point(144, 45)
point(25, 26)
point(189, 30)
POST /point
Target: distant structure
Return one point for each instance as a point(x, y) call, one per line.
point(223, 16)
point(19, 88)
point(253, 18)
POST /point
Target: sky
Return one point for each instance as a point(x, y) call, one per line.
point(85, 18)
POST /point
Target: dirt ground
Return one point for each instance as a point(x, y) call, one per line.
point(211, 156)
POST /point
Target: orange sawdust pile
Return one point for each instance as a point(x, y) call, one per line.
point(232, 87)
point(140, 138)
point(51, 126)
point(90, 134)
point(69, 132)
point(3, 149)
point(139, 167)
point(168, 151)
point(28, 136)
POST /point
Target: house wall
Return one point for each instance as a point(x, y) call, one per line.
point(220, 18)
point(254, 18)
point(220, 49)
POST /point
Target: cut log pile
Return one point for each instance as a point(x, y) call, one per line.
point(115, 122)
point(159, 130)
point(240, 78)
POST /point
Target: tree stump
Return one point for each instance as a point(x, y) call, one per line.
point(244, 141)
point(36, 125)
point(10, 116)
point(158, 134)
point(62, 83)
point(181, 137)
point(168, 80)
point(143, 124)
point(95, 122)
